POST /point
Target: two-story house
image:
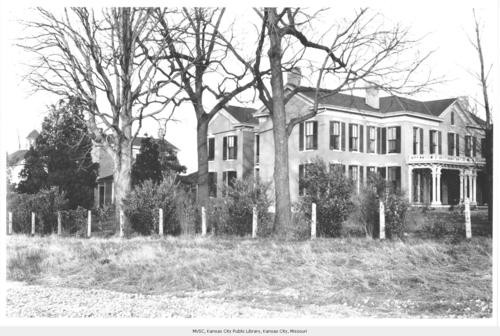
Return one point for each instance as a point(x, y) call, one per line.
point(231, 145)
point(16, 160)
point(428, 149)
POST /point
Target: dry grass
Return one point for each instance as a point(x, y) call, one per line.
point(416, 278)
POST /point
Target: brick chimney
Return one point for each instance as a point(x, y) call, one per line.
point(372, 97)
point(294, 77)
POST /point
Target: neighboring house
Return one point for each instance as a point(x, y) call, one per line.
point(15, 161)
point(104, 191)
point(428, 149)
point(231, 141)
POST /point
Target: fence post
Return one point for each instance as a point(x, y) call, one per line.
point(121, 223)
point(89, 223)
point(59, 223)
point(32, 223)
point(203, 222)
point(313, 221)
point(160, 221)
point(10, 223)
point(381, 216)
point(468, 229)
point(254, 222)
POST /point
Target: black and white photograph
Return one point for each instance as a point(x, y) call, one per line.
point(170, 161)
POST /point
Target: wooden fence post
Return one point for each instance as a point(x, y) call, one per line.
point(10, 223)
point(381, 216)
point(32, 223)
point(121, 223)
point(203, 222)
point(89, 223)
point(59, 223)
point(468, 229)
point(254, 222)
point(313, 221)
point(160, 221)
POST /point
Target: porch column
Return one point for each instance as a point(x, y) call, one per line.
point(433, 186)
point(438, 185)
point(461, 185)
point(469, 185)
point(419, 177)
point(410, 184)
point(474, 181)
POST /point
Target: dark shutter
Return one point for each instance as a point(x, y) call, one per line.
point(361, 137)
point(350, 137)
point(235, 147)
point(224, 149)
point(211, 149)
point(431, 144)
point(439, 143)
point(384, 142)
point(483, 147)
point(451, 143)
point(331, 135)
point(361, 175)
point(457, 149)
point(474, 144)
point(301, 136)
point(315, 135)
point(342, 135)
point(224, 178)
point(398, 178)
point(421, 141)
point(398, 139)
point(301, 176)
point(379, 141)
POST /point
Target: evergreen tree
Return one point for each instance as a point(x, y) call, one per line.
point(34, 175)
point(66, 147)
point(147, 165)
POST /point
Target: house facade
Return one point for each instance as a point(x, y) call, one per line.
point(231, 146)
point(104, 191)
point(16, 160)
point(430, 150)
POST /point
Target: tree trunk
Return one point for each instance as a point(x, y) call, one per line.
point(122, 180)
point(283, 214)
point(489, 171)
point(201, 133)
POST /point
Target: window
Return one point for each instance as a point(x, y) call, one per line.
point(394, 139)
point(353, 173)
point(452, 118)
point(335, 135)
point(382, 172)
point(468, 145)
point(372, 136)
point(212, 184)
point(353, 137)
point(418, 145)
point(435, 142)
point(230, 147)
point(302, 175)
point(394, 177)
point(474, 146)
point(457, 145)
point(228, 178)
point(451, 144)
point(211, 149)
point(370, 172)
point(308, 133)
point(257, 148)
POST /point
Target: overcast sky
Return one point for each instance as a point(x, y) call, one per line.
point(446, 24)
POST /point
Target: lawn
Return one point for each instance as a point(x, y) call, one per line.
point(349, 277)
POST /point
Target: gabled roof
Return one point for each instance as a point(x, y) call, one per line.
point(243, 114)
point(16, 157)
point(164, 144)
point(387, 104)
point(33, 135)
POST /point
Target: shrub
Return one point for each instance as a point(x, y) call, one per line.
point(45, 204)
point(332, 193)
point(396, 206)
point(143, 202)
point(187, 211)
point(232, 213)
point(75, 221)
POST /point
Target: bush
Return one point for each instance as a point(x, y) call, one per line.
point(45, 204)
point(143, 202)
point(332, 193)
point(232, 213)
point(75, 221)
point(396, 206)
point(187, 211)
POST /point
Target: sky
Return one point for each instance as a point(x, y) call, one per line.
point(446, 26)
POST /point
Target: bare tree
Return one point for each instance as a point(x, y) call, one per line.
point(211, 70)
point(98, 57)
point(483, 78)
point(360, 53)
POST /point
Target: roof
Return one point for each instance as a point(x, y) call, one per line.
point(478, 120)
point(387, 104)
point(164, 144)
point(243, 114)
point(33, 135)
point(16, 157)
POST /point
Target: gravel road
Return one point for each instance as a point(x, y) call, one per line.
point(39, 301)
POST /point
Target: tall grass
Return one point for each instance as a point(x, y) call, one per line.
point(266, 272)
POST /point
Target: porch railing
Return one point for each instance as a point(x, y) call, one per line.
point(426, 158)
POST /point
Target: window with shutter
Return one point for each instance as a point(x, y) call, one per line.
point(370, 148)
point(451, 144)
point(311, 135)
point(335, 135)
point(384, 139)
point(353, 138)
point(394, 139)
point(212, 184)
point(433, 142)
point(361, 138)
point(467, 145)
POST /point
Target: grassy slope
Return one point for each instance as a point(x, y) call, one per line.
point(415, 278)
